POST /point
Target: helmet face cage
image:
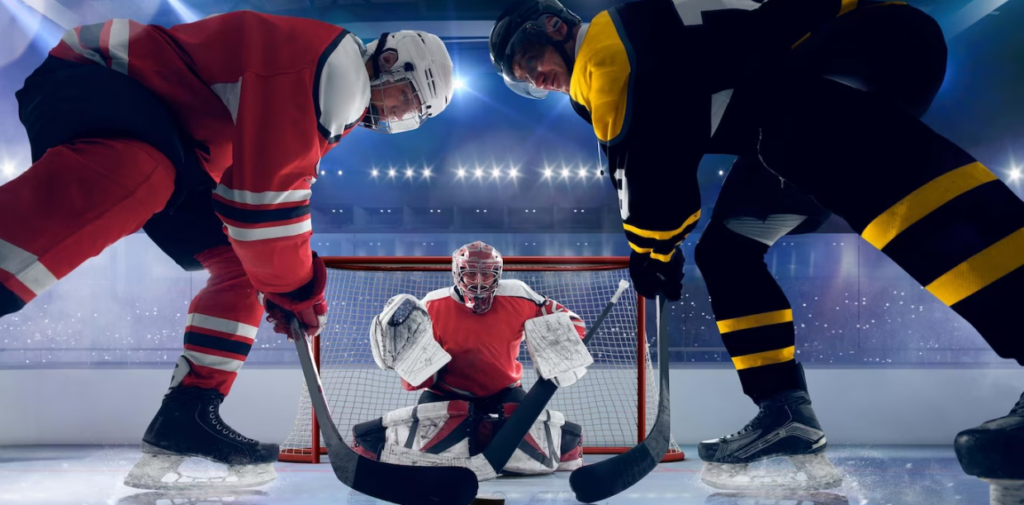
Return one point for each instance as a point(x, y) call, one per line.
point(476, 269)
point(382, 120)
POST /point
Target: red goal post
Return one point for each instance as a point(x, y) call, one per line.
point(358, 286)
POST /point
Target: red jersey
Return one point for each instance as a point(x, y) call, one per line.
point(265, 97)
point(485, 347)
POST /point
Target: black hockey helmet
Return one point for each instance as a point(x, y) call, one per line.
point(521, 27)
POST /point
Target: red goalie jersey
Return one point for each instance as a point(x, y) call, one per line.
point(485, 347)
point(264, 97)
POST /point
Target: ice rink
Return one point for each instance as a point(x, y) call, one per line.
point(880, 475)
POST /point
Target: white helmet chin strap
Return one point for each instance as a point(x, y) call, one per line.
point(422, 63)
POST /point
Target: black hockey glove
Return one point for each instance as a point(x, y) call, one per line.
point(652, 277)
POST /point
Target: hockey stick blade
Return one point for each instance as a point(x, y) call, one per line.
point(612, 476)
point(405, 485)
point(504, 444)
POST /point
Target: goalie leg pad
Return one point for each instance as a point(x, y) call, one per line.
point(572, 447)
point(433, 434)
point(433, 428)
point(540, 451)
point(369, 438)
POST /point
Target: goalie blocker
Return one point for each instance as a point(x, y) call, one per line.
point(450, 433)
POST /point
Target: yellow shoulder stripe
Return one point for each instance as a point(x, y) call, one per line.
point(662, 235)
point(664, 258)
point(600, 80)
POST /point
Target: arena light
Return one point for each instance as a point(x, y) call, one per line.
point(409, 173)
point(339, 172)
point(513, 172)
point(427, 173)
point(565, 173)
point(495, 172)
point(721, 172)
point(374, 173)
point(478, 173)
point(461, 173)
point(583, 172)
point(1014, 174)
point(7, 169)
point(391, 173)
point(458, 83)
point(548, 173)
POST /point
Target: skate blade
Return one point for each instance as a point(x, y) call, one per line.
point(1005, 491)
point(159, 472)
point(811, 473)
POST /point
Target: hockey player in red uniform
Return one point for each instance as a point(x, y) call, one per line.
point(466, 341)
point(209, 136)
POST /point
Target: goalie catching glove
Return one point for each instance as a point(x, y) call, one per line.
point(307, 304)
point(402, 339)
point(556, 349)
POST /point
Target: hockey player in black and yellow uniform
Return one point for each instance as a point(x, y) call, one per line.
point(821, 101)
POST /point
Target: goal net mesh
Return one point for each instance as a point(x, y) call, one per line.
point(606, 401)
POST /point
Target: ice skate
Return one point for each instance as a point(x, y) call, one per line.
point(188, 425)
point(994, 452)
point(785, 427)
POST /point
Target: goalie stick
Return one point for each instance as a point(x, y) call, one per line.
point(405, 485)
point(518, 425)
point(612, 476)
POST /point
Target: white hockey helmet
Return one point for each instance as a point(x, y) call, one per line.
point(424, 63)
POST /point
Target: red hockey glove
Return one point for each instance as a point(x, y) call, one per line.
point(306, 304)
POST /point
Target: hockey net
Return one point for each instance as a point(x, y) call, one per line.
point(615, 402)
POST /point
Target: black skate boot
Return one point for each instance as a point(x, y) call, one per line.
point(785, 426)
point(188, 424)
point(994, 452)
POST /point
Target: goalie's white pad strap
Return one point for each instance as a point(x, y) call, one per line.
point(543, 447)
point(555, 346)
point(405, 343)
point(402, 456)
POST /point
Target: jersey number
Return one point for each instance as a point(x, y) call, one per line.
point(622, 188)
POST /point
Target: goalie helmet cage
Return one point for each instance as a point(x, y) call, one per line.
point(616, 402)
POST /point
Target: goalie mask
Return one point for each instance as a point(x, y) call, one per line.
point(520, 35)
point(477, 271)
point(416, 85)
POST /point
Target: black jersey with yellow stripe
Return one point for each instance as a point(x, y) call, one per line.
point(654, 77)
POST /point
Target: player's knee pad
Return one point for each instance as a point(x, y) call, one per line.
point(540, 451)
point(571, 448)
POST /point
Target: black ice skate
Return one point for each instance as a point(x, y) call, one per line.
point(188, 424)
point(785, 427)
point(994, 452)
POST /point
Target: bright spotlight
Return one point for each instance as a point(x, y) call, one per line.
point(374, 173)
point(461, 172)
point(339, 172)
point(547, 173)
point(478, 173)
point(583, 172)
point(391, 173)
point(7, 169)
point(496, 172)
point(513, 172)
point(426, 173)
point(457, 83)
point(1014, 174)
point(565, 173)
point(409, 172)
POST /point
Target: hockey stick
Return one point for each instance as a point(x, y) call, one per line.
point(405, 485)
point(612, 476)
point(504, 444)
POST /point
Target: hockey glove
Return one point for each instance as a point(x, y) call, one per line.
point(652, 277)
point(306, 304)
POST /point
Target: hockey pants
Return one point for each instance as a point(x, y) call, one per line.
point(863, 154)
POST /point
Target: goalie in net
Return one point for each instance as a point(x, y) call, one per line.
point(460, 346)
